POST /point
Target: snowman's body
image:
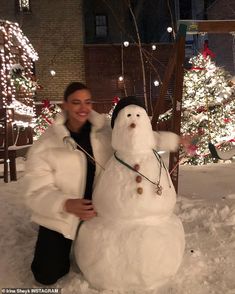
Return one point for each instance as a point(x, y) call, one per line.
point(136, 242)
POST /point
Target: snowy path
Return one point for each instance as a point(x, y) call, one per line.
point(206, 206)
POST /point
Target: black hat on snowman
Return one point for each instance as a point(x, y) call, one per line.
point(122, 103)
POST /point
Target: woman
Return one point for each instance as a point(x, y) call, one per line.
point(61, 169)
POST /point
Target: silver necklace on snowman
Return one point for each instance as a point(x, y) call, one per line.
point(159, 187)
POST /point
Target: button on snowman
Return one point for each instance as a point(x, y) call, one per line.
point(136, 242)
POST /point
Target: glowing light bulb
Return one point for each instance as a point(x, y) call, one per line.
point(126, 43)
point(156, 83)
point(154, 47)
point(52, 72)
point(121, 78)
point(169, 29)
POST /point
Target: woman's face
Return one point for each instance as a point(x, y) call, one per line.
point(78, 106)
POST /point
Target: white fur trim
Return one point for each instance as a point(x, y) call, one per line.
point(167, 141)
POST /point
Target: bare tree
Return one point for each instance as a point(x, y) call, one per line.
point(141, 54)
point(123, 72)
point(138, 8)
point(172, 19)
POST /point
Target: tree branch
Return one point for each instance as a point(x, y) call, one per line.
point(141, 55)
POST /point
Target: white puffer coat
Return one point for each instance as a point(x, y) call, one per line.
point(56, 171)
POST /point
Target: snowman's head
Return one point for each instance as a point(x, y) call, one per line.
point(132, 131)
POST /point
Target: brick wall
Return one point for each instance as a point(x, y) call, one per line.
point(222, 44)
point(55, 29)
point(103, 67)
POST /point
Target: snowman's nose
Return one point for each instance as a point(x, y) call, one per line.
point(132, 125)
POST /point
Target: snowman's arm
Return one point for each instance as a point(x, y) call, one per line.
point(166, 141)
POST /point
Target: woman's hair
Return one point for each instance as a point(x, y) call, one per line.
point(73, 87)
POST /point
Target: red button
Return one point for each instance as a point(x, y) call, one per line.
point(140, 190)
point(136, 166)
point(138, 179)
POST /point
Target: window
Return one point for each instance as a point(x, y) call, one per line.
point(23, 6)
point(101, 27)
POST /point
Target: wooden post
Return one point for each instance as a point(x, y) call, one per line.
point(164, 87)
point(178, 92)
point(167, 76)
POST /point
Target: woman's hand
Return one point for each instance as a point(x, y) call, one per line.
point(82, 208)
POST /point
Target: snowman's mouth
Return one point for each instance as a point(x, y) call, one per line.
point(132, 125)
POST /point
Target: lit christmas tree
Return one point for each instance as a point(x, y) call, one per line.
point(46, 118)
point(208, 108)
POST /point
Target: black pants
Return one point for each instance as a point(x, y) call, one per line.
point(52, 256)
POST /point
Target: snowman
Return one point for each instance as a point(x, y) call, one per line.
point(136, 242)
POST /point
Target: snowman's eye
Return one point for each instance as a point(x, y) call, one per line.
point(128, 115)
point(138, 115)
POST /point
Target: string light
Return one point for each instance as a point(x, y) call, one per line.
point(121, 78)
point(16, 79)
point(21, 108)
point(156, 83)
point(126, 43)
point(23, 124)
point(169, 29)
point(52, 72)
point(154, 47)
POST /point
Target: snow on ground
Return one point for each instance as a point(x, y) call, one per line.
point(206, 205)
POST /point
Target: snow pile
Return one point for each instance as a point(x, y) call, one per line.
point(206, 205)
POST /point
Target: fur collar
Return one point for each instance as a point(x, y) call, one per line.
point(97, 120)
